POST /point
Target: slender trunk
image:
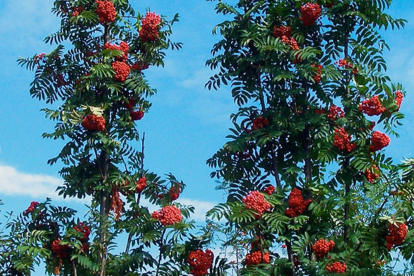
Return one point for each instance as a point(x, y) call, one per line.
point(104, 201)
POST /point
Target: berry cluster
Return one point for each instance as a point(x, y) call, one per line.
point(257, 202)
point(342, 140)
point(135, 115)
point(335, 112)
point(259, 123)
point(322, 247)
point(94, 122)
point(116, 203)
point(396, 234)
point(123, 46)
point(372, 106)
point(398, 99)
point(317, 77)
point(150, 27)
point(84, 229)
point(336, 267)
point(285, 35)
point(379, 141)
point(200, 261)
point(61, 250)
point(310, 13)
point(168, 215)
point(139, 66)
point(269, 190)
point(31, 208)
point(175, 191)
point(121, 70)
point(77, 10)
point(372, 173)
point(344, 63)
point(297, 204)
point(105, 11)
point(257, 257)
point(141, 184)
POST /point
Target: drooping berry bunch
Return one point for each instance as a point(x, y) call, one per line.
point(85, 231)
point(94, 122)
point(317, 77)
point(396, 234)
point(285, 35)
point(398, 99)
point(322, 247)
point(372, 173)
point(310, 13)
point(123, 46)
point(168, 215)
point(335, 112)
point(269, 189)
point(116, 203)
point(200, 261)
point(257, 257)
point(105, 11)
point(175, 191)
point(31, 208)
point(259, 123)
point(342, 140)
point(297, 204)
point(379, 141)
point(150, 27)
point(372, 106)
point(61, 250)
point(141, 184)
point(257, 202)
point(121, 69)
point(336, 267)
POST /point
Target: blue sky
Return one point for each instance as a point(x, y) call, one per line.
point(186, 124)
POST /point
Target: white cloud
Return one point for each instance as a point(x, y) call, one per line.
point(201, 208)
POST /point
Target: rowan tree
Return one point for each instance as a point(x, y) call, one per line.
point(310, 188)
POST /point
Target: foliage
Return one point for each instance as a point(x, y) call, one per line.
point(305, 77)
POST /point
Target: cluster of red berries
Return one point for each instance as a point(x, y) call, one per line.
point(297, 204)
point(61, 250)
point(135, 115)
point(285, 35)
point(121, 70)
point(398, 99)
point(141, 184)
point(317, 77)
point(372, 173)
point(116, 203)
point(335, 112)
point(175, 191)
point(379, 141)
point(336, 267)
point(94, 122)
point(168, 215)
point(31, 208)
point(344, 63)
point(396, 234)
point(342, 140)
point(84, 229)
point(150, 27)
point(259, 123)
point(372, 106)
point(77, 10)
point(257, 257)
point(256, 201)
point(123, 46)
point(105, 11)
point(200, 261)
point(139, 66)
point(322, 247)
point(310, 13)
point(269, 189)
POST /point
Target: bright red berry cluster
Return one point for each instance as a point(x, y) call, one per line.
point(168, 215)
point(372, 173)
point(322, 247)
point(396, 234)
point(336, 267)
point(281, 31)
point(105, 11)
point(335, 112)
point(31, 208)
point(175, 191)
point(257, 202)
point(94, 122)
point(317, 77)
point(84, 229)
point(344, 63)
point(379, 141)
point(257, 257)
point(141, 184)
point(310, 13)
point(77, 10)
point(269, 190)
point(342, 140)
point(259, 123)
point(372, 106)
point(116, 203)
point(398, 99)
point(61, 250)
point(123, 46)
point(200, 261)
point(297, 204)
point(121, 70)
point(136, 115)
point(150, 27)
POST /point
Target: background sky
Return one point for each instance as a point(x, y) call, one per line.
point(187, 123)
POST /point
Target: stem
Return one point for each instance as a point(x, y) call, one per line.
point(290, 256)
point(161, 248)
point(75, 272)
point(275, 165)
